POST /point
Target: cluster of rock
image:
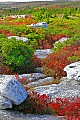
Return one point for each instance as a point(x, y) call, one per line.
point(12, 92)
point(68, 87)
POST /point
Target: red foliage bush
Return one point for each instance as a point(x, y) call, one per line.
point(36, 62)
point(6, 32)
point(66, 107)
point(22, 80)
point(19, 23)
point(56, 37)
point(57, 61)
point(49, 40)
point(69, 108)
point(6, 70)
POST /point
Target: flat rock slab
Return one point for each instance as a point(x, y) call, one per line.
point(42, 53)
point(40, 82)
point(66, 88)
point(33, 76)
point(11, 89)
point(15, 115)
point(30, 77)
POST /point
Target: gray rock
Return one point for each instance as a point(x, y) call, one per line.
point(5, 103)
point(40, 24)
point(67, 88)
point(73, 71)
point(15, 115)
point(62, 40)
point(41, 82)
point(33, 76)
point(42, 53)
point(12, 90)
point(19, 38)
point(69, 82)
point(39, 70)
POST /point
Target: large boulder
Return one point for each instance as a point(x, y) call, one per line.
point(5, 103)
point(11, 89)
point(42, 53)
point(73, 71)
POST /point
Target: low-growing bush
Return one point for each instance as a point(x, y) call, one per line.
point(16, 55)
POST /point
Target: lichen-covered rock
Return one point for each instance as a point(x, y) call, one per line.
point(5, 103)
point(11, 89)
point(73, 71)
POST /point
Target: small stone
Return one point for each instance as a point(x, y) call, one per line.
point(42, 53)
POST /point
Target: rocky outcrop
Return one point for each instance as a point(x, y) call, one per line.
point(42, 53)
point(30, 77)
point(73, 71)
point(40, 82)
point(5, 103)
point(33, 76)
point(66, 88)
point(11, 89)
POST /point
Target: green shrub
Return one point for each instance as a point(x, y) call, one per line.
point(16, 54)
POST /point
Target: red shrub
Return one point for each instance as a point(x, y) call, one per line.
point(36, 62)
point(22, 80)
point(69, 108)
point(6, 70)
point(57, 61)
point(49, 40)
point(6, 32)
